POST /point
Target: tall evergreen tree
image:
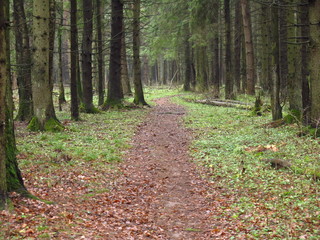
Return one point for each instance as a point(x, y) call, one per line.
point(115, 93)
point(138, 90)
point(87, 56)
point(74, 59)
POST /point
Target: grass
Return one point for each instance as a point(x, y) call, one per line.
point(271, 204)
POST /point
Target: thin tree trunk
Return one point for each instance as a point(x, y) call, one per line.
point(187, 59)
point(138, 90)
point(23, 60)
point(74, 59)
point(237, 46)
point(87, 57)
point(283, 53)
point(266, 52)
point(62, 98)
point(305, 33)
point(124, 66)
point(275, 89)
point(229, 94)
point(247, 28)
point(99, 14)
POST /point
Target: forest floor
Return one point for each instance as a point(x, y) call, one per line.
point(176, 171)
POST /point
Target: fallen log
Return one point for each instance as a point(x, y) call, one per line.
point(226, 103)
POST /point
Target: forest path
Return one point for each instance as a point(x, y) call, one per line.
point(166, 197)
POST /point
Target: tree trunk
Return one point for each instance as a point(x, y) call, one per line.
point(74, 60)
point(275, 89)
point(3, 82)
point(124, 66)
point(265, 51)
point(44, 115)
point(115, 92)
point(283, 53)
point(293, 79)
point(314, 64)
point(87, 57)
point(62, 98)
point(305, 33)
point(229, 93)
point(23, 60)
point(247, 28)
point(138, 90)
point(187, 59)
point(201, 68)
point(237, 46)
point(99, 14)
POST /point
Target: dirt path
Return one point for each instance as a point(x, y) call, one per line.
point(166, 198)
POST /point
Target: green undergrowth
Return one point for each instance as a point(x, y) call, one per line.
point(270, 204)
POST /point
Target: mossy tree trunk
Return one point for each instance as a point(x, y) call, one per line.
point(3, 82)
point(314, 19)
point(23, 59)
point(44, 114)
point(138, 90)
point(115, 92)
point(73, 62)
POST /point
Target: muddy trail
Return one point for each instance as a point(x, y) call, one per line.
point(166, 197)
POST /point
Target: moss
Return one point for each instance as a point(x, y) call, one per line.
point(50, 125)
point(34, 125)
point(92, 110)
point(114, 104)
point(53, 125)
point(293, 117)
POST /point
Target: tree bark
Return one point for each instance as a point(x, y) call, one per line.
point(44, 114)
point(247, 28)
point(187, 59)
point(99, 14)
point(237, 45)
point(62, 98)
point(23, 60)
point(115, 92)
point(124, 66)
point(74, 61)
point(293, 79)
point(275, 89)
point(138, 90)
point(314, 64)
point(3, 82)
point(305, 33)
point(87, 57)
point(266, 49)
point(229, 81)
